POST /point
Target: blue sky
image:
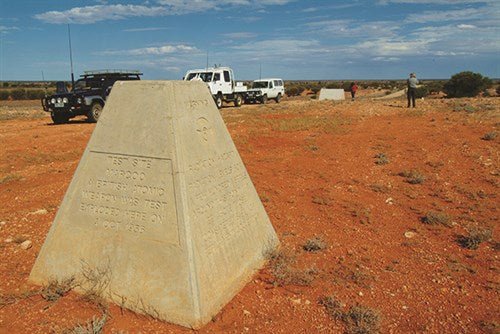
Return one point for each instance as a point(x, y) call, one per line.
point(292, 39)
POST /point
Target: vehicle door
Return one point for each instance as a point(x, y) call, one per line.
point(226, 83)
point(271, 90)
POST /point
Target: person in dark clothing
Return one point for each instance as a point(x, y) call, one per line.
point(412, 83)
point(354, 89)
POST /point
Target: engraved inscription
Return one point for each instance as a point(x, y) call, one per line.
point(129, 195)
point(218, 188)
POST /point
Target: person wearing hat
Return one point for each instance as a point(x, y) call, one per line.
point(412, 83)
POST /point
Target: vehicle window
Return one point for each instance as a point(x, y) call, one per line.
point(190, 76)
point(259, 84)
point(227, 78)
point(270, 84)
point(216, 76)
point(277, 83)
point(207, 76)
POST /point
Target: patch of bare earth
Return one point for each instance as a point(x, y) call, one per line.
point(398, 256)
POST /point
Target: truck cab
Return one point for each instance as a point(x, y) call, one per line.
point(220, 81)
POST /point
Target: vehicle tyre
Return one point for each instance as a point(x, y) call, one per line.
point(238, 101)
point(263, 99)
point(218, 101)
point(278, 98)
point(58, 118)
point(95, 112)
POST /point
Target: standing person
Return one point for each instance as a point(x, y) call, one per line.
point(412, 83)
point(354, 89)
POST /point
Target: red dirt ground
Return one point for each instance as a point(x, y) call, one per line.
point(314, 166)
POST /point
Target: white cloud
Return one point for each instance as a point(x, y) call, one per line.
point(448, 15)
point(240, 35)
point(146, 29)
point(92, 14)
point(350, 28)
point(152, 51)
point(4, 29)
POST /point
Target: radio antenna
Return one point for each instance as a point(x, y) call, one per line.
point(71, 59)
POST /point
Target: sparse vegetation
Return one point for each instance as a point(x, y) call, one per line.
point(320, 200)
point(474, 238)
point(57, 289)
point(314, 244)
point(466, 84)
point(489, 136)
point(358, 319)
point(436, 218)
point(413, 176)
point(382, 159)
point(94, 326)
point(283, 264)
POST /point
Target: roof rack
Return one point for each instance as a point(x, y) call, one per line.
point(113, 71)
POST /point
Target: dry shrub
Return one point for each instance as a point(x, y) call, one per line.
point(314, 244)
point(362, 320)
point(94, 326)
point(320, 200)
point(382, 159)
point(413, 176)
point(474, 238)
point(283, 266)
point(436, 218)
point(358, 319)
point(20, 238)
point(57, 289)
point(489, 136)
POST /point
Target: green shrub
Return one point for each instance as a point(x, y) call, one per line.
point(434, 86)
point(4, 95)
point(436, 218)
point(18, 94)
point(35, 94)
point(466, 84)
point(5, 84)
point(421, 91)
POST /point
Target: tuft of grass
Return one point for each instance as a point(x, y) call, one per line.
point(283, 264)
point(382, 159)
point(93, 326)
point(413, 176)
point(57, 289)
point(362, 320)
point(489, 136)
point(333, 306)
point(379, 188)
point(314, 244)
point(358, 319)
point(363, 214)
point(320, 200)
point(490, 327)
point(436, 218)
point(474, 238)
point(9, 178)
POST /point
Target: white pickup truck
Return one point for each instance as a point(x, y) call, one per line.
point(220, 81)
point(264, 89)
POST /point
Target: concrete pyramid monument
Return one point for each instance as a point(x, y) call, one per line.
point(161, 206)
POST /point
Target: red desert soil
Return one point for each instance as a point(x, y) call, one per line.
point(335, 171)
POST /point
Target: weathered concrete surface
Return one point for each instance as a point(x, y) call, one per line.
point(161, 207)
point(331, 94)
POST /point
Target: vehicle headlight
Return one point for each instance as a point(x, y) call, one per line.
point(65, 100)
point(52, 100)
point(59, 100)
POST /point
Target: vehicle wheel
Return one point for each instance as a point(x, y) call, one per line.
point(95, 112)
point(263, 99)
point(218, 101)
point(238, 101)
point(58, 118)
point(278, 98)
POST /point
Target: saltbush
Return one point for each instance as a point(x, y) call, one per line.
point(466, 84)
point(4, 95)
point(18, 94)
